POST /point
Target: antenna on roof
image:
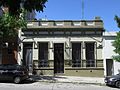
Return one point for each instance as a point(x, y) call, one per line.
point(82, 9)
point(45, 17)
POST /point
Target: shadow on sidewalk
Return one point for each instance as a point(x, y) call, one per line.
point(45, 78)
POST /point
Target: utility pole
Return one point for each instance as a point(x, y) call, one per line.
point(82, 9)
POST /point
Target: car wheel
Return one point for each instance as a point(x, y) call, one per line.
point(117, 84)
point(17, 80)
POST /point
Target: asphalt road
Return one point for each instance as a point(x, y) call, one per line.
point(52, 86)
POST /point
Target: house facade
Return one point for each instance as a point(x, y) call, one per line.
point(111, 67)
point(63, 47)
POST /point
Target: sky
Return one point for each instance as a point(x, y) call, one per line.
point(72, 10)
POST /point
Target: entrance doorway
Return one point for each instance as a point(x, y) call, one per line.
point(27, 56)
point(58, 58)
point(109, 67)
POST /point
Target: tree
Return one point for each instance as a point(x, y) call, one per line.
point(11, 20)
point(9, 25)
point(117, 20)
point(116, 43)
point(29, 5)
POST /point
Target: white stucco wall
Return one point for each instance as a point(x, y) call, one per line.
point(108, 52)
point(67, 41)
point(108, 48)
point(116, 67)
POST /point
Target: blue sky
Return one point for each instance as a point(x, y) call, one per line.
point(71, 10)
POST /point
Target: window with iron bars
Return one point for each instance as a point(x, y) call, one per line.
point(43, 55)
point(76, 54)
point(90, 54)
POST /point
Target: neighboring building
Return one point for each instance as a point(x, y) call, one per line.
point(67, 47)
point(9, 46)
point(111, 66)
point(8, 51)
point(30, 15)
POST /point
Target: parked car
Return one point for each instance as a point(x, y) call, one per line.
point(14, 72)
point(113, 80)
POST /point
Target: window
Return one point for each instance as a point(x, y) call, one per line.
point(76, 54)
point(90, 54)
point(43, 54)
point(10, 48)
point(10, 51)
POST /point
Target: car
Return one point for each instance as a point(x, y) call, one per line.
point(13, 72)
point(113, 80)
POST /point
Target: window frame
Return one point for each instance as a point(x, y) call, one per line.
point(80, 52)
point(43, 61)
point(88, 61)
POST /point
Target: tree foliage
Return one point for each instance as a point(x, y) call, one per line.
point(29, 5)
point(9, 25)
point(116, 43)
point(117, 20)
point(13, 20)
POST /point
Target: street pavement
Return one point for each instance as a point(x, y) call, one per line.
point(59, 83)
point(53, 86)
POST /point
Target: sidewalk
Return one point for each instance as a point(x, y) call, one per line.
point(70, 79)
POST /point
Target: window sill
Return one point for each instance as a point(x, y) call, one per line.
point(84, 68)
